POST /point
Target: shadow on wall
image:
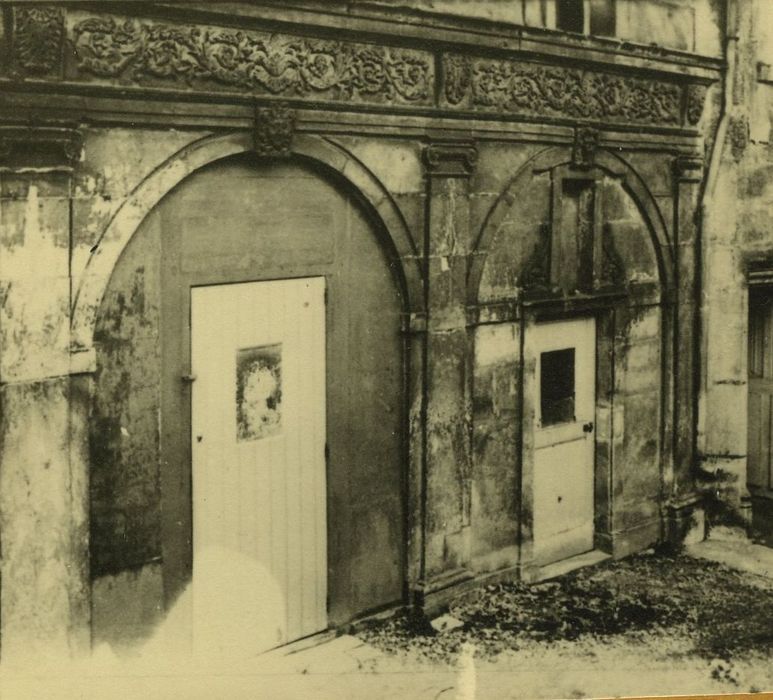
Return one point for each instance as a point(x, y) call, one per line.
point(233, 611)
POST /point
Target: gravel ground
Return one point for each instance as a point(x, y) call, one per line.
point(653, 608)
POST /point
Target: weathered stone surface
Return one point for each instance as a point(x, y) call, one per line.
point(126, 607)
point(43, 601)
point(494, 508)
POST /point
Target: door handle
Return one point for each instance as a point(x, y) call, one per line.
point(587, 428)
point(188, 378)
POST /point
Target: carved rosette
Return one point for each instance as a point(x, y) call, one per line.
point(696, 98)
point(274, 130)
point(586, 141)
point(450, 158)
point(37, 39)
point(263, 63)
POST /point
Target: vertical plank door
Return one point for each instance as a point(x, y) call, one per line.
point(258, 471)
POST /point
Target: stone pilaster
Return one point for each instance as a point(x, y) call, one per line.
point(447, 426)
point(44, 608)
point(688, 171)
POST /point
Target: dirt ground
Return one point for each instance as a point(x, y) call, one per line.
point(652, 623)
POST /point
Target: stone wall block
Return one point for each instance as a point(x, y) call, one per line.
point(726, 424)
point(42, 525)
point(34, 328)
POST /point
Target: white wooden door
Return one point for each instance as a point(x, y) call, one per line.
point(565, 353)
point(258, 451)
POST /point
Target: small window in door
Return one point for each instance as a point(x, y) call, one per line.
point(557, 386)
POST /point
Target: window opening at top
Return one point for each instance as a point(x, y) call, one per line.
point(602, 17)
point(595, 17)
point(570, 16)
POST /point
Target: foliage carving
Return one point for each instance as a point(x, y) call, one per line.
point(506, 86)
point(272, 64)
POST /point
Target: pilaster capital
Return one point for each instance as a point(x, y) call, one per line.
point(44, 147)
point(450, 158)
point(688, 168)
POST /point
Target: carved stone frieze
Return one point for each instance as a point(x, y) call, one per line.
point(696, 98)
point(38, 34)
point(121, 51)
point(450, 158)
point(39, 147)
point(274, 129)
point(518, 87)
point(263, 63)
point(586, 141)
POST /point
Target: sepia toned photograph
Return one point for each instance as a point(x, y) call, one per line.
point(386, 349)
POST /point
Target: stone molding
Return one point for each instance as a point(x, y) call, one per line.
point(450, 158)
point(274, 130)
point(122, 52)
point(39, 147)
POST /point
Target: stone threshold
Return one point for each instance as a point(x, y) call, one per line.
point(565, 566)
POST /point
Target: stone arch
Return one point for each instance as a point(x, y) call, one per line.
point(208, 150)
point(166, 528)
point(605, 162)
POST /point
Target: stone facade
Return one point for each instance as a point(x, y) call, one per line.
point(451, 168)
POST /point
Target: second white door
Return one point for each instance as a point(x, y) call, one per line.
point(563, 504)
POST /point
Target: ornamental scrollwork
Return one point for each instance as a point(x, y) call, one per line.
point(274, 64)
point(38, 35)
point(505, 86)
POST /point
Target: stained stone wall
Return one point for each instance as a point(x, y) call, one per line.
point(737, 254)
point(102, 115)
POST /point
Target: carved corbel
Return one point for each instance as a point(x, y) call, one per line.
point(39, 147)
point(450, 158)
point(274, 130)
point(696, 98)
point(586, 142)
